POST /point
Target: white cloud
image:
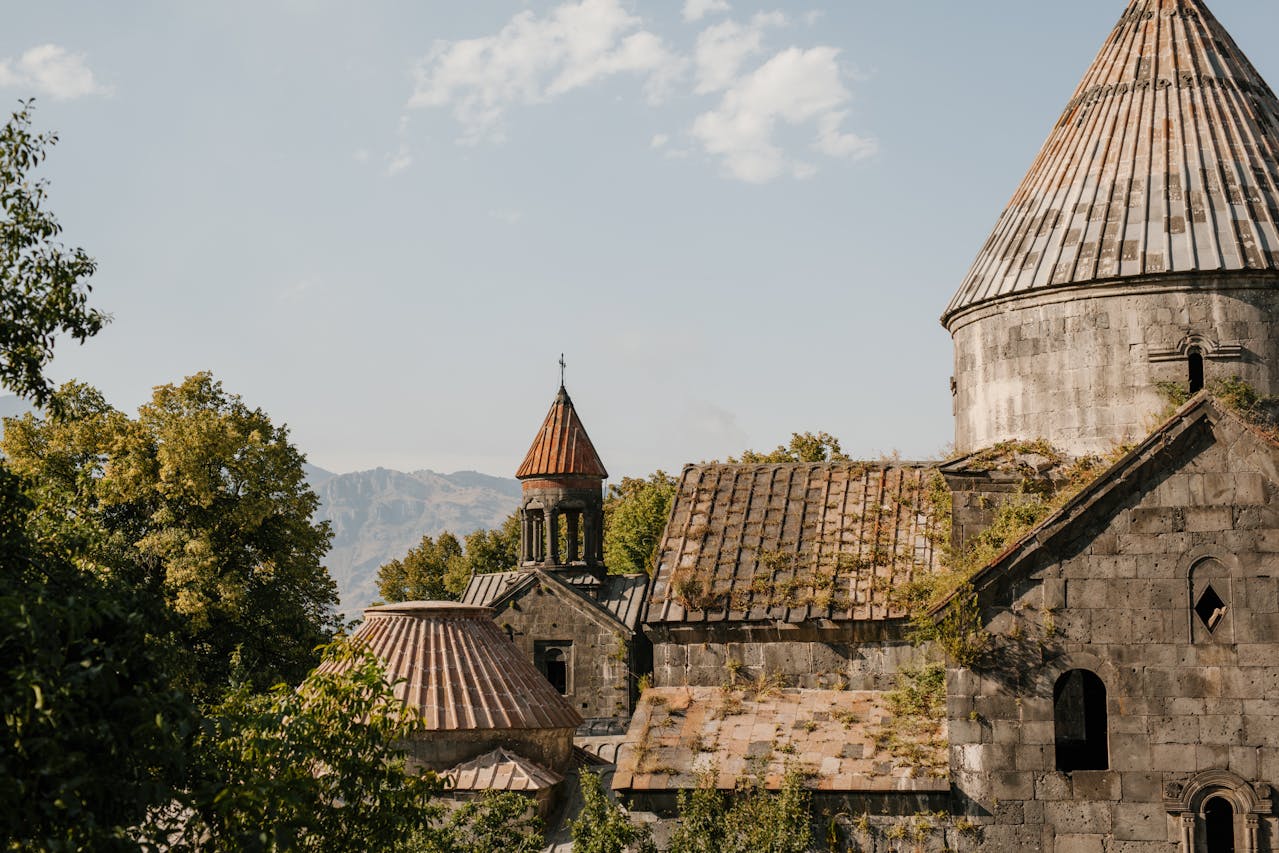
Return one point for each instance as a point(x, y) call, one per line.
point(400, 160)
point(659, 140)
point(534, 60)
point(53, 71)
point(796, 87)
point(723, 48)
point(361, 155)
point(695, 10)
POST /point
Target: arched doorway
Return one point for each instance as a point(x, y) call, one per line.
point(1219, 826)
point(1079, 716)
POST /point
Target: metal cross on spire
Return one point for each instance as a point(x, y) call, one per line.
point(562, 366)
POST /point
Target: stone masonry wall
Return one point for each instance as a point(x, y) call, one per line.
point(1116, 600)
point(600, 679)
point(681, 659)
point(1079, 367)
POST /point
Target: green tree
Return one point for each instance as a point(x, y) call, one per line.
point(42, 283)
point(635, 514)
point(316, 768)
point(494, 550)
point(494, 823)
point(756, 820)
point(803, 447)
point(201, 502)
point(92, 733)
point(603, 826)
point(421, 574)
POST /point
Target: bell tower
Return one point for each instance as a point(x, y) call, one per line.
point(562, 508)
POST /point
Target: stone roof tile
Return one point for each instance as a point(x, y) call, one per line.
point(795, 542)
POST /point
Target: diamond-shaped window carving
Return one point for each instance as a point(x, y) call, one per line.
point(1210, 608)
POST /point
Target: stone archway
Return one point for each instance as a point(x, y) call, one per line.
point(1205, 797)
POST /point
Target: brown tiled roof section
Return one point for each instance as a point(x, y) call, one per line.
point(1165, 161)
point(501, 770)
point(456, 667)
point(755, 543)
point(562, 447)
point(833, 737)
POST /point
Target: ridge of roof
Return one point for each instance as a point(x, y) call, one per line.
point(1164, 162)
point(562, 447)
point(1186, 417)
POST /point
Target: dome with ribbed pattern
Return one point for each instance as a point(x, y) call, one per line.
point(1164, 163)
point(454, 665)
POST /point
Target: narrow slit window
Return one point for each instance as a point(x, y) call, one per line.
point(1079, 716)
point(1196, 361)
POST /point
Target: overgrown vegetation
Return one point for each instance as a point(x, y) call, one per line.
point(751, 820)
point(913, 735)
point(635, 514)
point(603, 826)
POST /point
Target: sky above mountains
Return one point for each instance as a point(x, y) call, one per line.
point(383, 221)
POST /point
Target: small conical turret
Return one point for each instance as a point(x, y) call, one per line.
point(562, 512)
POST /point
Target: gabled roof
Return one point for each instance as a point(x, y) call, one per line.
point(834, 737)
point(501, 770)
point(620, 597)
point(1165, 161)
point(453, 664)
point(795, 542)
point(1201, 411)
point(562, 447)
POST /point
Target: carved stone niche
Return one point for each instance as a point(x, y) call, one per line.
point(1193, 801)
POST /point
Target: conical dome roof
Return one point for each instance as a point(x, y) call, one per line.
point(562, 447)
point(1164, 162)
point(459, 670)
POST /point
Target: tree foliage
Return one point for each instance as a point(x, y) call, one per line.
point(201, 501)
point(603, 826)
point(803, 447)
point(753, 821)
point(423, 573)
point(316, 768)
point(439, 568)
point(495, 550)
point(42, 283)
point(635, 515)
point(93, 734)
point(494, 823)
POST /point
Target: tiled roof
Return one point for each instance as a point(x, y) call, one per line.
point(795, 542)
point(562, 447)
point(1166, 160)
point(621, 596)
point(456, 667)
point(501, 770)
point(835, 736)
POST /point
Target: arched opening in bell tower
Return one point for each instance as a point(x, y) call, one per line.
point(1219, 826)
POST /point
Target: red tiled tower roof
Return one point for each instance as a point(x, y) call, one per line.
point(1164, 163)
point(562, 447)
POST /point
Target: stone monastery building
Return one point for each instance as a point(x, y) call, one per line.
point(1105, 680)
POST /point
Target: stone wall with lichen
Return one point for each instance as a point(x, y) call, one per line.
point(1082, 370)
point(1116, 595)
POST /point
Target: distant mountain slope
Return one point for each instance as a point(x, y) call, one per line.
point(378, 515)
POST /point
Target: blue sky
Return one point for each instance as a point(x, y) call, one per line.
point(383, 221)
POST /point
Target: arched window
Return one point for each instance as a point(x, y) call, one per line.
point(1079, 715)
point(552, 660)
point(1219, 826)
point(1196, 361)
